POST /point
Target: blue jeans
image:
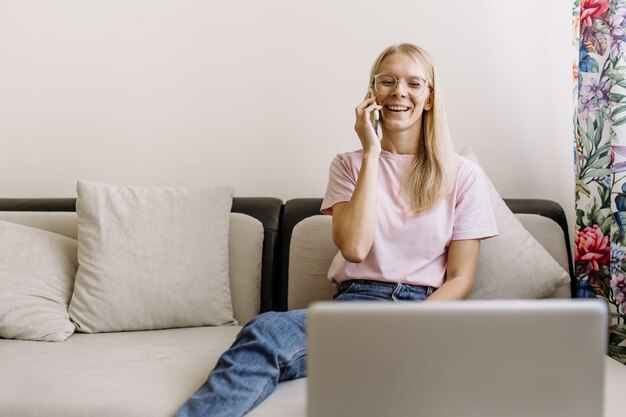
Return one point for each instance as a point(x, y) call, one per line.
point(272, 348)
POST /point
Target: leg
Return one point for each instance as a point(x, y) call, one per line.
point(269, 349)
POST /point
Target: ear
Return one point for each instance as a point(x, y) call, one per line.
point(429, 103)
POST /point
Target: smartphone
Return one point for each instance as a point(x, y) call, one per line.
point(375, 115)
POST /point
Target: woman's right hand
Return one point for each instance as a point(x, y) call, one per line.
point(364, 127)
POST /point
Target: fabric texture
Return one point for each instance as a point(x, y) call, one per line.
point(311, 252)
point(513, 264)
point(245, 254)
point(599, 89)
point(409, 248)
point(37, 270)
point(60, 222)
point(122, 374)
point(151, 258)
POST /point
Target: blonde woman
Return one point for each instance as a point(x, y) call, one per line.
point(408, 216)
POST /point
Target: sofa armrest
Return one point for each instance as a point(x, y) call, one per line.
point(268, 211)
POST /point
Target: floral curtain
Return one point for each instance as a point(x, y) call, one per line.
point(600, 159)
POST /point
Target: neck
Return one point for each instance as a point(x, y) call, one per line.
point(404, 142)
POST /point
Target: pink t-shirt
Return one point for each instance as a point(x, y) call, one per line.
point(408, 248)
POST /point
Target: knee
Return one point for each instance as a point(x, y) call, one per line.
point(276, 323)
point(260, 321)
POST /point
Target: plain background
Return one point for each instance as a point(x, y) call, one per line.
point(260, 95)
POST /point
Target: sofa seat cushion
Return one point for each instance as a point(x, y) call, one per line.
point(148, 373)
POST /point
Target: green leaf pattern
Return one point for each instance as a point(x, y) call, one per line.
point(600, 159)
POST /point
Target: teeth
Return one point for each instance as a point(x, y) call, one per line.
point(397, 108)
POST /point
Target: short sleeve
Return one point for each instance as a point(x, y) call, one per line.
point(473, 216)
point(341, 183)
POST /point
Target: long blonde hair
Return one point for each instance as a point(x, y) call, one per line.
point(432, 174)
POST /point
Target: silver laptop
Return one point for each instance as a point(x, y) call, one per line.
point(539, 358)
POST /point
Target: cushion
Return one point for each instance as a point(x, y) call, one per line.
point(125, 374)
point(37, 270)
point(245, 252)
point(151, 257)
point(513, 264)
point(311, 252)
point(60, 222)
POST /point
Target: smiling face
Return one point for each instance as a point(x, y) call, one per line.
point(402, 113)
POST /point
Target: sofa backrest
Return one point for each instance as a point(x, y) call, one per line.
point(252, 264)
point(307, 248)
point(544, 219)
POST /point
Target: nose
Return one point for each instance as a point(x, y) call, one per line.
point(399, 88)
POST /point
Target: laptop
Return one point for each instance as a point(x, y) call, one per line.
point(478, 358)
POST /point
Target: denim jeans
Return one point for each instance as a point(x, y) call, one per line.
point(272, 348)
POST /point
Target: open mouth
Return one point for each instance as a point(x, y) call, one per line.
point(396, 108)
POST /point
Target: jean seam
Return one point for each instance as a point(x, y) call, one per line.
point(262, 395)
point(276, 376)
point(294, 358)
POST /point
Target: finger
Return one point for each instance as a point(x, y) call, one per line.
point(372, 107)
point(366, 102)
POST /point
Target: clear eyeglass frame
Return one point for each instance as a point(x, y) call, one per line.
point(384, 90)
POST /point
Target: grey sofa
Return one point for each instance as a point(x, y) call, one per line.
point(151, 373)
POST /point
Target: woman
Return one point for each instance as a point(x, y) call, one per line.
point(408, 216)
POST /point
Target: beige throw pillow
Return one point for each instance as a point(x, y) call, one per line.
point(37, 270)
point(513, 264)
point(151, 257)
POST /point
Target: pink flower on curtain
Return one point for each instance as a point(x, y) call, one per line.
point(592, 246)
point(592, 9)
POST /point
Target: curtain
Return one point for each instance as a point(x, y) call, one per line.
point(600, 159)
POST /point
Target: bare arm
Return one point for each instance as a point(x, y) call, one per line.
point(462, 261)
point(354, 222)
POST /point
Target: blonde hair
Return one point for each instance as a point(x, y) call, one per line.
point(432, 173)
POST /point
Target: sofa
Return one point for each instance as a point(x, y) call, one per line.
point(152, 372)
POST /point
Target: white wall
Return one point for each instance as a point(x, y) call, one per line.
point(261, 94)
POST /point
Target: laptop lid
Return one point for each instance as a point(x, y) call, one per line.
point(478, 358)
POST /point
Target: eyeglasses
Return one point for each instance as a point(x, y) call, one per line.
point(386, 83)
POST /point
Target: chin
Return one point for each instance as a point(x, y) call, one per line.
point(399, 125)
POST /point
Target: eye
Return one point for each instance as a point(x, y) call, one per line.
point(416, 83)
point(387, 83)
point(386, 79)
